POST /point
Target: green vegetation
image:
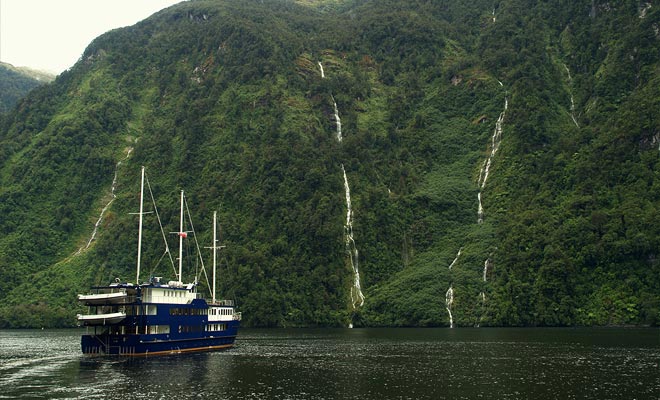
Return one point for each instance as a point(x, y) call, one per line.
point(225, 100)
point(15, 83)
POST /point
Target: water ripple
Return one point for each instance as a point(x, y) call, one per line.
point(348, 364)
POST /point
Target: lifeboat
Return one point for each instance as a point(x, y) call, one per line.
point(101, 319)
point(103, 298)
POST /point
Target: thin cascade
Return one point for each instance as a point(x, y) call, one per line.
point(449, 301)
point(449, 296)
point(337, 120)
point(570, 82)
point(334, 105)
point(321, 68)
point(573, 112)
point(482, 296)
point(456, 258)
point(480, 210)
point(357, 298)
point(486, 265)
point(113, 196)
point(496, 139)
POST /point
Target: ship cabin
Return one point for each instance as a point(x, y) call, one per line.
point(172, 310)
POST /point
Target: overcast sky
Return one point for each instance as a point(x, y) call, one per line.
point(51, 35)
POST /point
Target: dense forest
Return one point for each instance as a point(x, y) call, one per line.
point(372, 162)
point(15, 83)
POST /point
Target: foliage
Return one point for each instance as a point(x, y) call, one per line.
point(225, 100)
point(15, 83)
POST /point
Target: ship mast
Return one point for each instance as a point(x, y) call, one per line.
point(182, 234)
point(139, 250)
point(215, 247)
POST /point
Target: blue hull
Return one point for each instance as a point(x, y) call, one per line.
point(143, 345)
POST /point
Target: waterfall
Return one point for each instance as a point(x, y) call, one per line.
point(357, 298)
point(321, 67)
point(480, 211)
point(643, 9)
point(570, 82)
point(493, 15)
point(455, 259)
point(113, 196)
point(573, 112)
point(334, 104)
point(449, 300)
point(495, 140)
point(449, 296)
point(570, 79)
point(486, 264)
point(337, 120)
point(482, 296)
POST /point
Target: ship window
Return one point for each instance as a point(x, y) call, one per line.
point(216, 327)
point(187, 311)
point(190, 328)
point(158, 329)
point(132, 310)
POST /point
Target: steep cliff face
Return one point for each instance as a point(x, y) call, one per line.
point(372, 162)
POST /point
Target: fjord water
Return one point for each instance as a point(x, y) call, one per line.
point(381, 364)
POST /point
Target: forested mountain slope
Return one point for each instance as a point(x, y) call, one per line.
point(406, 163)
point(15, 83)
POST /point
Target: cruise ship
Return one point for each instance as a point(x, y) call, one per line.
point(157, 317)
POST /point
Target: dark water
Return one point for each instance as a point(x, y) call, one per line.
point(349, 364)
